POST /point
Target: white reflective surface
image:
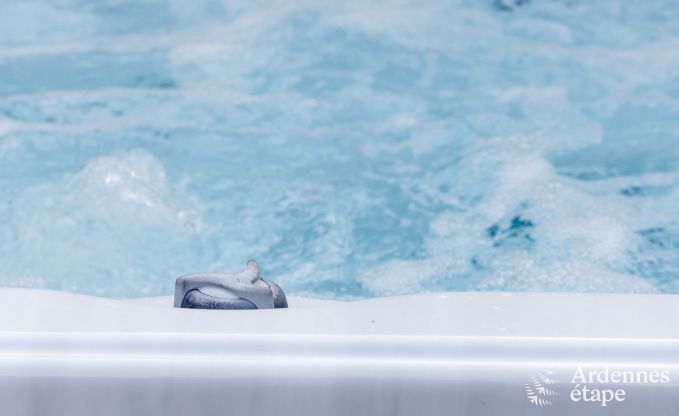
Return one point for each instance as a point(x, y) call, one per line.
point(438, 354)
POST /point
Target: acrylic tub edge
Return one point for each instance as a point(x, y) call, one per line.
point(438, 354)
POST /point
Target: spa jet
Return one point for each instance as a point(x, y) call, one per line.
point(240, 290)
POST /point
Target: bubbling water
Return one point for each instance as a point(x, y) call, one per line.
point(354, 149)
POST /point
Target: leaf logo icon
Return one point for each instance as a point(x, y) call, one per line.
point(540, 391)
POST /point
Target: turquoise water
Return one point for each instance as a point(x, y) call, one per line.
point(353, 149)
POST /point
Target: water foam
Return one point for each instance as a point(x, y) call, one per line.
point(354, 149)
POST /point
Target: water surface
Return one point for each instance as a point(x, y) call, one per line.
point(353, 149)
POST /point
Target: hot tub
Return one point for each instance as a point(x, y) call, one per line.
point(421, 164)
point(430, 354)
